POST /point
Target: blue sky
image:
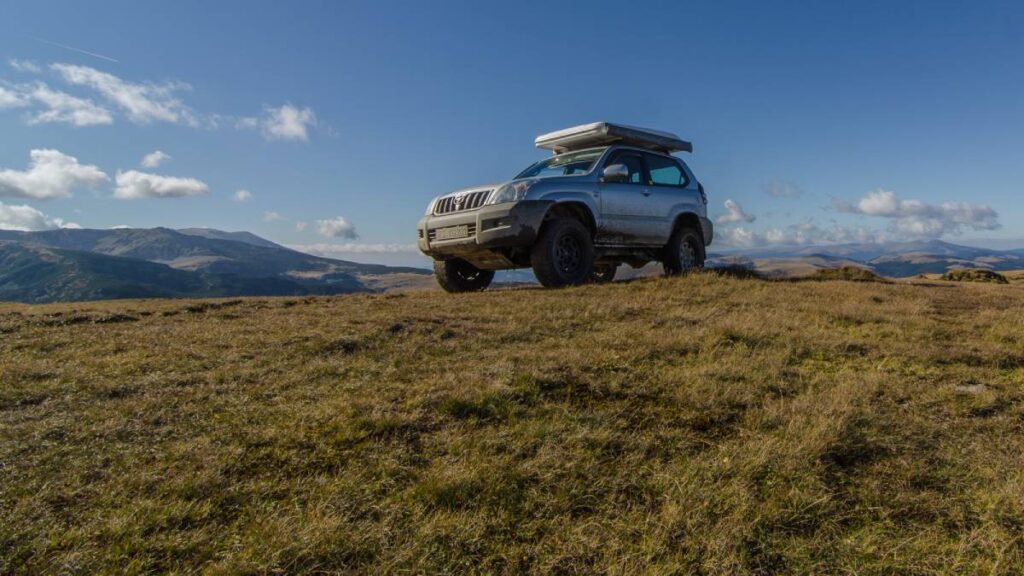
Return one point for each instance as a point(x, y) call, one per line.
point(820, 122)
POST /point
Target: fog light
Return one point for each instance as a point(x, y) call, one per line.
point(496, 223)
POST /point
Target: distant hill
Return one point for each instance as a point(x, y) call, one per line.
point(65, 265)
point(246, 237)
point(895, 259)
point(33, 273)
point(865, 252)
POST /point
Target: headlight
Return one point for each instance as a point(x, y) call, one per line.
point(511, 192)
point(430, 206)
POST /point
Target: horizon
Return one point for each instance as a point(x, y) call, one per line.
point(811, 126)
point(769, 251)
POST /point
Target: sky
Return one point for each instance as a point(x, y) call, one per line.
point(329, 126)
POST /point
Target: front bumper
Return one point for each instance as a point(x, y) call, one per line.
point(509, 225)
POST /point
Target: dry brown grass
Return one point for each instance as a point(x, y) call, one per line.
point(704, 424)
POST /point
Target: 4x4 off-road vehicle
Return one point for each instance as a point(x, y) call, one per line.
point(609, 194)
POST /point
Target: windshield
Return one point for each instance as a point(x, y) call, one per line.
point(569, 164)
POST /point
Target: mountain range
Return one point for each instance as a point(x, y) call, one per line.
point(81, 264)
point(894, 259)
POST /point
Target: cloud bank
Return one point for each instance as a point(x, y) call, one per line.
point(50, 174)
point(25, 218)
point(919, 219)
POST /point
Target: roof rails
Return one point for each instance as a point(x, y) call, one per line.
point(605, 133)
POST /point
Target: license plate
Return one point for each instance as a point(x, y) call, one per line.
point(452, 232)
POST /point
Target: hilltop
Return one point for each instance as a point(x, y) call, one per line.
point(703, 424)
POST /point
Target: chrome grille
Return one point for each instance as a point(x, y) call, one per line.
point(432, 234)
point(461, 202)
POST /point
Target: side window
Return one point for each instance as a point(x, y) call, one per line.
point(633, 161)
point(665, 171)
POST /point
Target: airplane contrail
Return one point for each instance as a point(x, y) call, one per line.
point(72, 48)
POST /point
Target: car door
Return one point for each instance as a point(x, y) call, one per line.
point(626, 210)
point(668, 186)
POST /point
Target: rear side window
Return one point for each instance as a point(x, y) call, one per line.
point(632, 161)
point(665, 171)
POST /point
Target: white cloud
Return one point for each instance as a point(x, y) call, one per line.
point(50, 174)
point(285, 123)
point(27, 219)
point(242, 196)
point(133, 184)
point(142, 102)
point(734, 213)
point(271, 216)
point(12, 99)
point(783, 189)
point(354, 248)
point(53, 105)
point(25, 66)
point(301, 226)
point(916, 218)
point(336, 228)
point(154, 159)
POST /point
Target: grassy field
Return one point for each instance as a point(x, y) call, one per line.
point(704, 424)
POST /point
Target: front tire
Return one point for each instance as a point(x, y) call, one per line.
point(563, 254)
point(684, 251)
point(457, 275)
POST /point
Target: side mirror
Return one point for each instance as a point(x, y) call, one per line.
point(615, 173)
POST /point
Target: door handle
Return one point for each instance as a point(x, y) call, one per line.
point(646, 192)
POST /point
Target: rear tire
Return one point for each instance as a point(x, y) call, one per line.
point(457, 275)
point(563, 254)
point(684, 251)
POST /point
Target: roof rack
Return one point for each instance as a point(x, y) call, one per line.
point(605, 133)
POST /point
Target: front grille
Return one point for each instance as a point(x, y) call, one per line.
point(432, 234)
point(461, 202)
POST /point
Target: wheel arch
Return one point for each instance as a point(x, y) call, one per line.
point(573, 209)
point(690, 219)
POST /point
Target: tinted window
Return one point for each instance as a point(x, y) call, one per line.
point(632, 161)
point(665, 171)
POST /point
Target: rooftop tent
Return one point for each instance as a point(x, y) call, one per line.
point(605, 133)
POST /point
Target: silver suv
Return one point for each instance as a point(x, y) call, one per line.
point(610, 194)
